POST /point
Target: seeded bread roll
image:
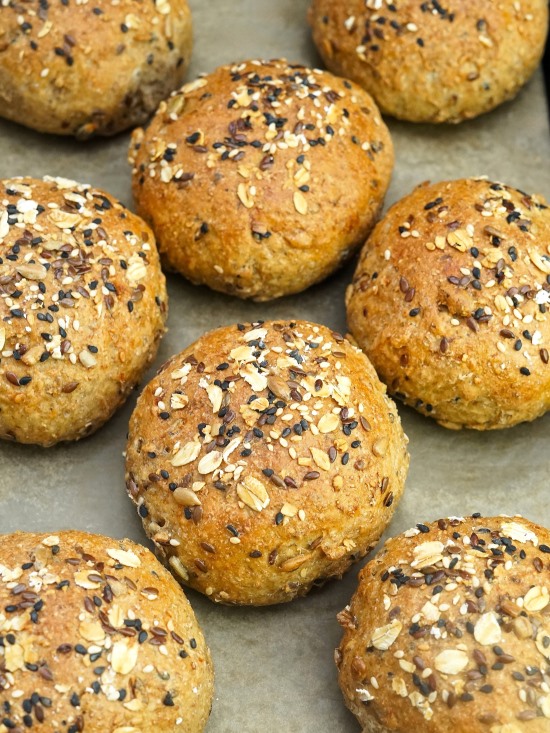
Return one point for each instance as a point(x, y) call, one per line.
point(449, 631)
point(97, 636)
point(241, 176)
point(265, 459)
point(82, 308)
point(79, 68)
point(449, 302)
point(431, 61)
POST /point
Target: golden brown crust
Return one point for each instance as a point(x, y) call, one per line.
point(449, 631)
point(241, 175)
point(430, 61)
point(90, 68)
point(449, 301)
point(97, 636)
point(263, 459)
point(82, 307)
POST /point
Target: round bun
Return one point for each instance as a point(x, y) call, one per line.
point(449, 631)
point(82, 308)
point(265, 459)
point(97, 636)
point(449, 302)
point(430, 61)
point(93, 68)
point(240, 174)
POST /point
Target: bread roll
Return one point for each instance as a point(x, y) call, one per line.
point(244, 176)
point(431, 61)
point(449, 631)
point(264, 459)
point(90, 68)
point(82, 308)
point(449, 302)
point(96, 636)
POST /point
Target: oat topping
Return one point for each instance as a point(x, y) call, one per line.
point(455, 609)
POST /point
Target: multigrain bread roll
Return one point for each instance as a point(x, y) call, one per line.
point(245, 174)
point(449, 631)
point(90, 68)
point(97, 637)
point(264, 459)
point(431, 61)
point(82, 307)
point(449, 302)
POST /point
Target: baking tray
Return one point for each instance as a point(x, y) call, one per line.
point(274, 666)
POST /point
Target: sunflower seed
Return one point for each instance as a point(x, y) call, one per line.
point(522, 627)
point(321, 458)
point(186, 497)
point(300, 203)
point(193, 86)
point(279, 387)
point(32, 271)
point(294, 563)
point(178, 567)
point(175, 105)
